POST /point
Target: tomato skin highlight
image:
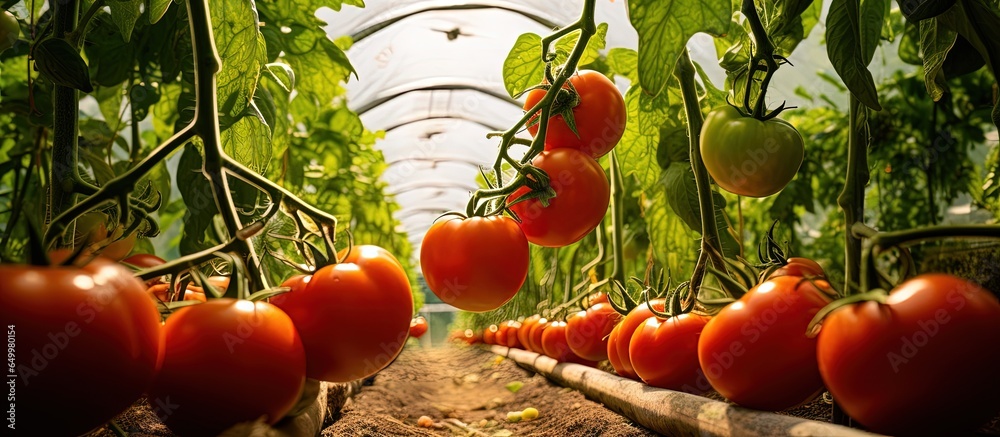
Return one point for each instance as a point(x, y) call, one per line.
point(922, 363)
point(582, 197)
point(213, 351)
point(747, 156)
point(353, 317)
point(755, 352)
point(474, 264)
point(76, 329)
point(600, 117)
point(587, 332)
point(632, 320)
point(664, 353)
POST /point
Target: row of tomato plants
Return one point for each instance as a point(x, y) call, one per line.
point(219, 357)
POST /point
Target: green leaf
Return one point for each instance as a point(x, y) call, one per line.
point(301, 11)
point(682, 195)
point(979, 23)
point(319, 73)
point(624, 62)
point(59, 62)
point(935, 43)
point(843, 46)
point(642, 136)
point(514, 386)
point(282, 75)
point(199, 200)
point(156, 9)
point(664, 28)
point(596, 43)
point(909, 45)
point(241, 48)
point(109, 99)
point(124, 14)
point(523, 66)
point(249, 141)
point(873, 13)
point(102, 171)
point(111, 58)
point(674, 244)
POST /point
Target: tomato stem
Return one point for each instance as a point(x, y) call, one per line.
point(65, 121)
point(763, 52)
point(852, 198)
point(617, 219)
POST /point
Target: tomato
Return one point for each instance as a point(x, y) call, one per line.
point(91, 229)
point(489, 334)
point(161, 293)
point(747, 156)
point(474, 264)
point(924, 362)
point(418, 327)
point(88, 343)
point(613, 356)
point(636, 317)
point(144, 260)
point(600, 116)
point(354, 317)
point(9, 30)
point(802, 267)
point(535, 336)
point(471, 337)
point(228, 361)
point(664, 353)
point(582, 197)
point(587, 331)
point(511, 335)
point(555, 346)
point(525, 330)
point(756, 353)
point(596, 298)
point(501, 334)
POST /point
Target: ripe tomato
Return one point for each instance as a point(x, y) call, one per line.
point(76, 329)
point(489, 334)
point(636, 317)
point(525, 330)
point(144, 260)
point(924, 362)
point(747, 156)
point(418, 327)
point(596, 298)
point(587, 331)
point(472, 337)
point(755, 352)
point(582, 197)
point(212, 351)
point(9, 30)
point(801, 267)
point(501, 334)
point(510, 335)
point(535, 336)
point(555, 346)
point(474, 264)
point(354, 317)
point(664, 353)
point(613, 356)
point(600, 116)
point(161, 293)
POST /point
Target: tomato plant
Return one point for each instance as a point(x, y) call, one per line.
point(212, 351)
point(476, 263)
point(664, 353)
point(76, 329)
point(587, 331)
point(353, 317)
point(747, 156)
point(892, 365)
point(755, 351)
point(582, 196)
point(599, 116)
point(418, 327)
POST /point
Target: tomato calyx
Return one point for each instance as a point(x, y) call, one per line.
point(563, 103)
point(877, 295)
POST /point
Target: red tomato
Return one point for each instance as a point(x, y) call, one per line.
point(599, 117)
point(144, 260)
point(471, 337)
point(212, 351)
point(354, 317)
point(418, 327)
point(665, 353)
point(613, 357)
point(802, 267)
point(755, 352)
point(489, 334)
point(922, 363)
point(474, 264)
point(555, 346)
point(596, 298)
point(511, 335)
point(88, 343)
point(501, 334)
point(525, 330)
point(582, 197)
point(535, 336)
point(636, 317)
point(161, 293)
point(587, 332)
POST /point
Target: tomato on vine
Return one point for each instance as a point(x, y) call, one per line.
point(212, 351)
point(587, 331)
point(629, 323)
point(922, 360)
point(354, 317)
point(747, 156)
point(599, 115)
point(76, 329)
point(664, 353)
point(582, 197)
point(475, 263)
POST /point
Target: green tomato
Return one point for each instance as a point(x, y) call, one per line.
point(9, 30)
point(747, 156)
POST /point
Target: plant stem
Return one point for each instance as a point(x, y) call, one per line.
point(76, 37)
point(711, 244)
point(617, 220)
point(852, 198)
point(65, 121)
point(763, 52)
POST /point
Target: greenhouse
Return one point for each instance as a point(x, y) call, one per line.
point(500, 217)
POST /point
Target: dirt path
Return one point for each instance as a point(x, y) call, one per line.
point(463, 390)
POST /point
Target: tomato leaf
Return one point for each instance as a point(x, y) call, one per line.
point(591, 53)
point(111, 58)
point(156, 9)
point(282, 75)
point(664, 29)
point(124, 14)
point(674, 244)
point(62, 64)
point(197, 195)
point(909, 45)
point(241, 48)
point(682, 195)
point(935, 43)
point(624, 62)
point(978, 22)
point(844, 47)
point(642, 133)
point(523, 66)
point(873, 13)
